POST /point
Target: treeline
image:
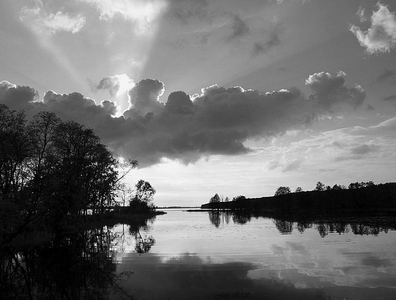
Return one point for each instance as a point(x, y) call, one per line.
point(54, 172)
point(283, 190)
point(364, 197)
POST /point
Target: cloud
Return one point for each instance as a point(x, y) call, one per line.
point(144, 98)
point(142, 13)
point(294, 165)
point(185, 10)
point(116, 84)
point(381, 36)
point(273, 39)
point(264, 47)
point(363, 149)
point(216, 122)
point(390, 98)
point(49, 23)
point(330, 91)
point(387, 76)
point(286, 166)
point(238, 29)
point(17, 97)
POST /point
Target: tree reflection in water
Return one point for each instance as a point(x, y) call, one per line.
point(357, 224)
point(78, 266)
point(143, 245)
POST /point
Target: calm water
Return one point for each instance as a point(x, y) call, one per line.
point(197, 255)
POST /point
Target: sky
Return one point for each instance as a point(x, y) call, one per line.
point(214, 96)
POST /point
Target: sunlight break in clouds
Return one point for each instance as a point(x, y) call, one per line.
point(142, 13)
point(217, 122)
point(118, 87)
point(381, 36)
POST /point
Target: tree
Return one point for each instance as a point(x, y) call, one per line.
point(144, 191)
point(320, 187)
point(282, 190)
point(50, 169)
point(215, 199)
point(144, 195)
point(239, 198)
point(336, 187)
point(299, 190)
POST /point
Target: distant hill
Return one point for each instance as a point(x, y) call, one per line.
point(376, 197)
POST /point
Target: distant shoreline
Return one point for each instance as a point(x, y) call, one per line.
point(381, 197)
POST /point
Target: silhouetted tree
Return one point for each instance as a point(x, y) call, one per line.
point(299, 190)
point(282, 190)
point(336, 187)
point(320, 187)
point(144, 194)
point(239, 198)
point(215, 199)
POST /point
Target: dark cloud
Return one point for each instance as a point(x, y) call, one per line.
point(218, 121)
point(19, 97)
point(330, 91)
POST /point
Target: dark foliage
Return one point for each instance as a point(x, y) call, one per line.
point(51, 173)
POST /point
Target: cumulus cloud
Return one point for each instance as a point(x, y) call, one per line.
point(330, 91)
point(217, 121)
point(50, 23)
point(381, 35)
point(144, 98)
point(17, 97)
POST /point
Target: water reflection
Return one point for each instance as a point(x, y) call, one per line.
point(143, 245)
point(359, 224)
point(73, 266)
point(189, 276)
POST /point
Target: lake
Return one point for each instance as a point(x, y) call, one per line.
point(218, 255)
